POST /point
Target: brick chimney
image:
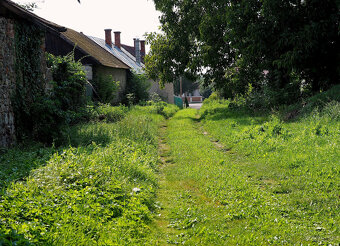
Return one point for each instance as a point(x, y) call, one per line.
point(142, 49)
point(108, 37)
point(137, 50)
point(117, 40)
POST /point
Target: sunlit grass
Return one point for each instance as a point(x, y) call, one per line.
point(99, 192)
point(286, 190)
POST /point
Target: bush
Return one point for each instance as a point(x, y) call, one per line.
point(154, 97)
point(106, 88)
point(69, 80)
point(111, 114)
point(161, 108)
point(62, 104)
point(137, 89)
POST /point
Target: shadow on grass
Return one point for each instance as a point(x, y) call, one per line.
point(13, 238)
point(239, 115)
point(16, 163)
point(78, 138)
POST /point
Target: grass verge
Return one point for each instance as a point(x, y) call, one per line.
point(286, 190)
point(98, 192)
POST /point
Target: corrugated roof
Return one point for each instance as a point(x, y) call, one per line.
point(94, 50)
point(122, 54)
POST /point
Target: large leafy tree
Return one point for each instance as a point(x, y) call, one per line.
point(278, 44)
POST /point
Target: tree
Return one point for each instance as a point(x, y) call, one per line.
point(32, 6)
point(276, 45)
point(29, 6)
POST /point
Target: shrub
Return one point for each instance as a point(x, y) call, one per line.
point(60, 105)
point(106, 88)
point(162, 108)
point(137, 89)
point(69, 80)
point(111, 114)
point(154, 97)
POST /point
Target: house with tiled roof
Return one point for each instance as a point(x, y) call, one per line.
point(96, 60)
point(133, 57)
point(120, 53)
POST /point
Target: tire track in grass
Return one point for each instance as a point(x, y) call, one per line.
point(186, 215)
point(160, 227)
point(211, 195)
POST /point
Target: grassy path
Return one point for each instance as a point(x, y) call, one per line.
point(187, 215)
point(210, 195)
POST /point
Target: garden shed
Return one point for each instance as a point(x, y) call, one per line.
point(22, 64)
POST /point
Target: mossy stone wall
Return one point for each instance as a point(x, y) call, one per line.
point(7, 81)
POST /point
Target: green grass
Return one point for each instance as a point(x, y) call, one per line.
point(99, 192)
point(227, 177)
point(235, 178)
point(286, 190)
point(187, 215)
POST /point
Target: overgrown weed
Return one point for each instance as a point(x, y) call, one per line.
point(98, 191)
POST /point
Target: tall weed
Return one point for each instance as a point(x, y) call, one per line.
point(99, 192)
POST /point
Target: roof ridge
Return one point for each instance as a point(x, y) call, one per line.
point(30, 15)
point(87, 44)
point(121, 54)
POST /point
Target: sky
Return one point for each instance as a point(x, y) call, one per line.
point(133, 18)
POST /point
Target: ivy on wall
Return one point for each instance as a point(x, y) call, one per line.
point(29, 78)
point(41, 115)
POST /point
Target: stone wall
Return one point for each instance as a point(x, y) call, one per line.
point(7, 81)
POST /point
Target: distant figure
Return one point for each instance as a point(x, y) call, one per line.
point(186, 102)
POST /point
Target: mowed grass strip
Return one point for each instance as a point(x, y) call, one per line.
point(215, 195)
point(186, 215)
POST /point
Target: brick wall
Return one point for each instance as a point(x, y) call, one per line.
point(7, 82)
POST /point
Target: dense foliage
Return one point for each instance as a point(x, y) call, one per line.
point(58, 105)
point(41, 110)
point(69, 80)
point(137, 88)
point(30, 85)
point(100, 191)
point(105, 88)
point(280, 49)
